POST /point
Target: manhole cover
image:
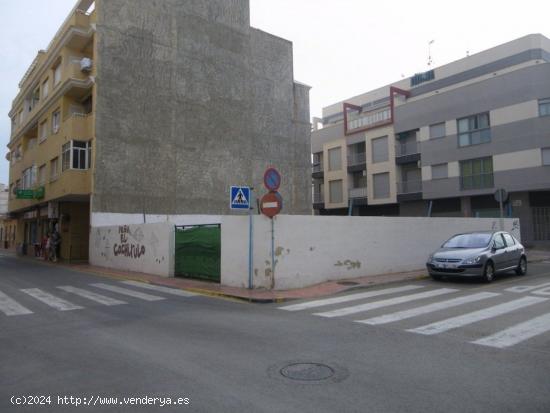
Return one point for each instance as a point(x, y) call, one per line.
point(347, 283)
point(307, 371)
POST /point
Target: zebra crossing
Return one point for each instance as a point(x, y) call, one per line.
point(454, 309)
point(93, 294)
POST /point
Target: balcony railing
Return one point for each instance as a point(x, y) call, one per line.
point(317, 167)
point(358, 158)
point(358, 192)
point(477, 181)
point(318, 198)
point(409, 187)
point(407, 148)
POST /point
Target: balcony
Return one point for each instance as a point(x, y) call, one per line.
point(318, 200)
point(78, 126)
point(357, 161)
point(409, 187)
point(317, 170)
point(407, 152)
point(361, 192)
point(480, 181)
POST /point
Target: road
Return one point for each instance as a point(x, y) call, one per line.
point(420, 346)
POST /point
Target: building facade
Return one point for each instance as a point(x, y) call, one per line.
point(442, 142)
point(140, 109)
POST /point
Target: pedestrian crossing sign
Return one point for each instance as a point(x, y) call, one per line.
point(240, 197)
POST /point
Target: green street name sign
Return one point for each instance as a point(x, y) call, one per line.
point(37, 193)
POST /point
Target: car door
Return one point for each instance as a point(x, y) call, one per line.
point(512, 250)
point(499, 252)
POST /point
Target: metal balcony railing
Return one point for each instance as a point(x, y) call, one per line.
point(358, 192)
point(318, 198)
point(357, 158)
point(409, 187)
point(407, 148)
point(479, 181)
point(317, 167)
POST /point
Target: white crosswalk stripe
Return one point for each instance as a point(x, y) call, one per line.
point(125, 291)
point(51, 300)
point(159, 288)
point(347, 298)
point(426, 309)
point(518, 333)
point(91, 296)
point(11, 307)
point(385, 303)
point(486, 313)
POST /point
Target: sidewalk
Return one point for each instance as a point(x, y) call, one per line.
point(260, 295)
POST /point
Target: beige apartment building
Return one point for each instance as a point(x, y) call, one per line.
point(135, 110)
point(441, 142)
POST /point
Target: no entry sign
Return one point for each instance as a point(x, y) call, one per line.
point(271, 204)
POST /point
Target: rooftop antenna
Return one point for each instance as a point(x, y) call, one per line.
point(430, 60)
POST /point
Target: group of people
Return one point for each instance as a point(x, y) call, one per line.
point(49, 247)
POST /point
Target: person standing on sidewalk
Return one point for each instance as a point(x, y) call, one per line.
point(55, 242)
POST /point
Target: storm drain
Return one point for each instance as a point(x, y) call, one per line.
point(347, 283)
point(307, 371)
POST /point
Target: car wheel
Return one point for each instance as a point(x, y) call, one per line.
point(522, 266)
point(436, 277)
point(489, 272)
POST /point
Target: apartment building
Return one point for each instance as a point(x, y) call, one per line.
point(137, 109)
point(443, 141)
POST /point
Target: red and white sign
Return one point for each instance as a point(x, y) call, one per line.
point(271, 204)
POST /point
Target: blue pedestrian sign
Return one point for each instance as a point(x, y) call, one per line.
point(240, 197)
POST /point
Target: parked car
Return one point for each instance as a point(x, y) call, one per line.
point(478, 254)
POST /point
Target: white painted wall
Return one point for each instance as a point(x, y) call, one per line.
point(155, 243)
point(313, 249)
point(100, 219)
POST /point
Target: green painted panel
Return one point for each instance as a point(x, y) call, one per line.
point(198, 252)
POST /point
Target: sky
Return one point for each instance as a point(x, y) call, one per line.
point(342, 48)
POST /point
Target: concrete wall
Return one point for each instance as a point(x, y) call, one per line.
point(191, 100)
point(144, 248)
point(311, 249)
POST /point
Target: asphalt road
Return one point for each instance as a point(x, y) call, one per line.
point(423, 346)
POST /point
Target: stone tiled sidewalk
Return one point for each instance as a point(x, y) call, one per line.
point(266, 296)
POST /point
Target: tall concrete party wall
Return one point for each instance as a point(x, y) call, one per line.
point(190, 100)
point(313, 249)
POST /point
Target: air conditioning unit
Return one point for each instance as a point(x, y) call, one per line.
point(86, 64)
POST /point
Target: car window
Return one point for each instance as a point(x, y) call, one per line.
point(509, 240)
point(499, 242)
point(468, 241)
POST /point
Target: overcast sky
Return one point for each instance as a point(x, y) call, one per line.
point(341, 47)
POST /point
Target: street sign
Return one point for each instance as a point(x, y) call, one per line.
point(272, 179)
point(501, 195)
point(271, 204)
point(239, 197)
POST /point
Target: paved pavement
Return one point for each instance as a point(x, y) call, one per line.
point(413, 346)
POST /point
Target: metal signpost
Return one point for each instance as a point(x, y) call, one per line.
point(241, 197)
point(270, 205)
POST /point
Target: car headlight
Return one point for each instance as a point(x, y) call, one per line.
point(473, 260)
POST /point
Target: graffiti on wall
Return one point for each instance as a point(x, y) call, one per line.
point(129, 248)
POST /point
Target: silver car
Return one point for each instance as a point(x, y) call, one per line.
point(478, 254)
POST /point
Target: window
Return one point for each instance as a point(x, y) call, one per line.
point(29, 177)
point(509, 240)
point(499, 242)
point(437, 130)
point(476, 173)
point(545, 156)
point(43, 131)
point(76, 155)
point(56, 120)
point(440, 171)
point(380, 149)
point(54, 166)
point(544, 107)
point(335, 159)
point(474, 130)
point(45, 88)
point(57, 74)
point(381, 185)
point(335, 192)
point(42, 175)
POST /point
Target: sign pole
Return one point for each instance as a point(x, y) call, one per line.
point(272, 252)
point(250, 240)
